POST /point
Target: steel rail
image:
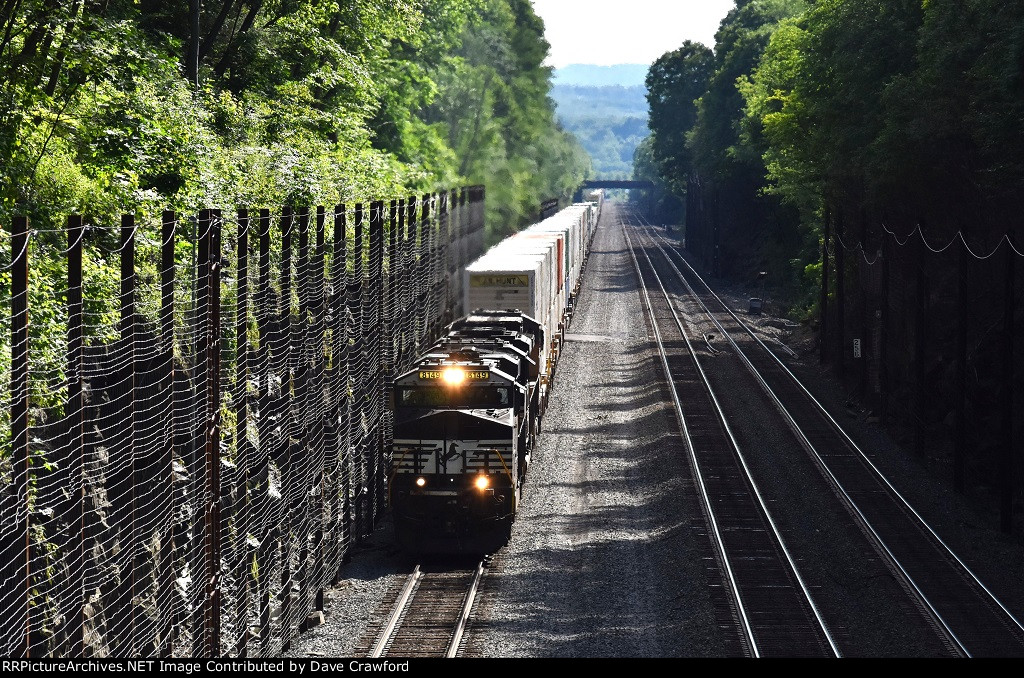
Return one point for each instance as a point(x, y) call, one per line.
point(705, 498)
point(954, 639)
point(396, 614)
point(776, 533)
point(856, 448)
point(467, 607)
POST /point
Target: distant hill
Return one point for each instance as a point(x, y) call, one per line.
point(579, 101)
point(609, 119)
point(626, 75)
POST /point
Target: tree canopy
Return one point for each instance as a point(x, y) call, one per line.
point(674, 83)
point(140, 105)
point(874, 107)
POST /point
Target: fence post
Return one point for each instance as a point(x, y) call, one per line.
point(716, 235)
point(393, 334)
point(265, 375)
point(883, 342)
point(358, 372)
point(166, 578)
point(414, 276)
point(920, 344)
point(243, 452)
point(447, 260)
point(1006, 465)
point(341, 483)
point(428, 226)
point(391, 294)
point(198, 556)
point(287, 363)
point(866, 332)
point(401, 285)
point(690, 236)
point(320, 409)
point(960, 444)
point(439, 297)
point(213, 384)
point(304, 375)
point(840, 254)
point(125, 640)
point(377, 292)
point(76, 422)
point(465, 228)
point(300, 423)
point(19, 554)
point(823, 300)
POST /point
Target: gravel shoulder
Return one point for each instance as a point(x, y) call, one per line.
point(609, 556)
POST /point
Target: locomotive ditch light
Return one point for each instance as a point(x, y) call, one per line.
point(482, 482)
point(453, 376)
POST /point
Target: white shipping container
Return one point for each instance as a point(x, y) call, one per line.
point(535, 271)
point(512, 280)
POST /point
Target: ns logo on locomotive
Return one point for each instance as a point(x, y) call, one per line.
point(467, 416)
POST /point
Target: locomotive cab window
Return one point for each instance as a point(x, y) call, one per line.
point(483, 397)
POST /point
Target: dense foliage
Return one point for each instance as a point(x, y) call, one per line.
point(138, 105)
point(908, 109)
point(674, 82)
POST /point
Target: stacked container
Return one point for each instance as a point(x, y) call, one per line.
point(536, 271)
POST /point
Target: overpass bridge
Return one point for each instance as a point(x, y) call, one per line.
point(618, 183)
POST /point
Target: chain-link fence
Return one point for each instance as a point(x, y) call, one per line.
point(196, 431)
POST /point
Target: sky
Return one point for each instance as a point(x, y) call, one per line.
point(608, 32)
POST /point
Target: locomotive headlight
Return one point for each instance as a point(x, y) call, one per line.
point(421, 481)
point(482, 482)
point(453, 376)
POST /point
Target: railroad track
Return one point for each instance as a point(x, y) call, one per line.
point(774, 609)
point(429, 616)
point(968, 618)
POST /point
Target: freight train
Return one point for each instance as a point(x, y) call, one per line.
point(468, 414)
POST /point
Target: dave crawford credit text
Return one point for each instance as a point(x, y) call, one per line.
point(190, 667)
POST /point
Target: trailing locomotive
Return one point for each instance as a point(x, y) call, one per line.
point(468, 413)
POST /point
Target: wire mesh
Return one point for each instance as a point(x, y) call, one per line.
point(195, 429)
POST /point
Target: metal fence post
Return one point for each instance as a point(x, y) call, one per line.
point(287, 365)
point(265, 375)
point(358, 373)
point(1006, 461)
point(243, 448)
point(823, 299)
point(76, 421)
point(19, 555)
point(123, 630)
point(341, 483)
point(320, 408)
point(166, 578)
point(376, 336)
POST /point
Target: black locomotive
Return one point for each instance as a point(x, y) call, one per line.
point(466, 419)
point(467, 416)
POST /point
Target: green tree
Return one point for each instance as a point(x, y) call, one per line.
point(666, 207)
point(494, 102)
point(674, 82)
